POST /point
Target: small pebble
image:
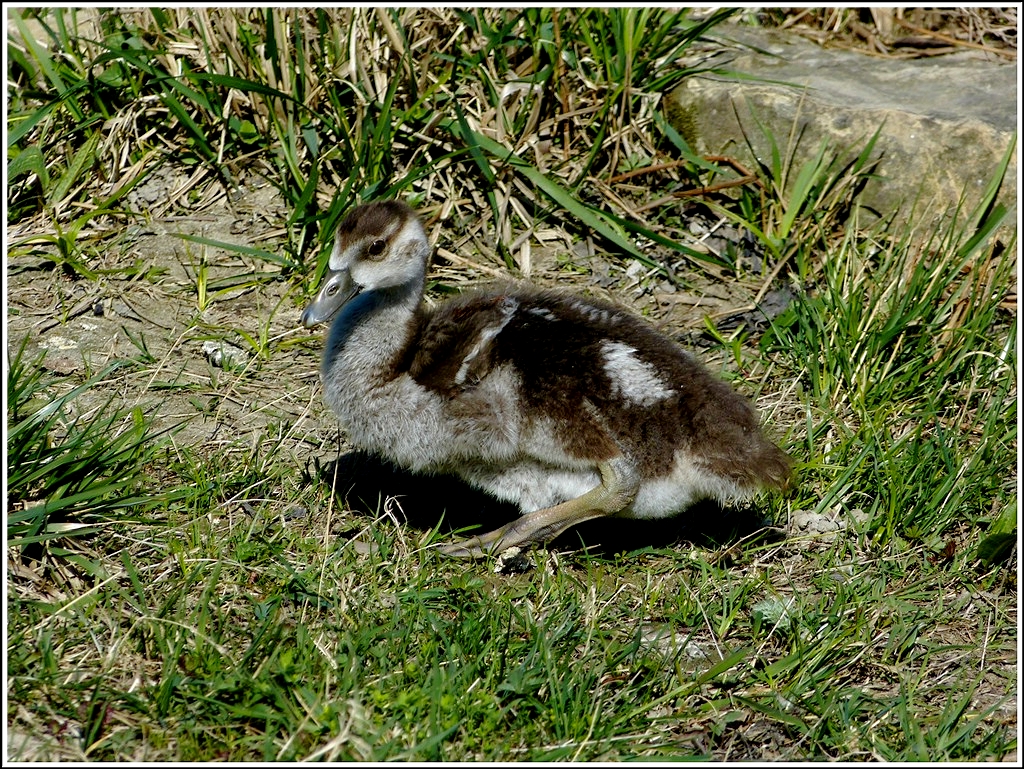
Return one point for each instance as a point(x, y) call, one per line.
point(58, 343)
point(225, 355)
point(296, 513)
point(512, 561)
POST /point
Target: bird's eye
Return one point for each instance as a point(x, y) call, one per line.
point(376, 248)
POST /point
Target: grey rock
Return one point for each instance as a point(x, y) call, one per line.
point(225, 355)
point(945, 122)
point(512, 561)
point(809, 522)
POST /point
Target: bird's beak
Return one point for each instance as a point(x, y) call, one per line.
point(336, 290)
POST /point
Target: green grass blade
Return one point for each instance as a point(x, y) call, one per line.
point(29, 161)
point(237, 248)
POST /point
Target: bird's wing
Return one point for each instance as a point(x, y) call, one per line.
point(454, 350)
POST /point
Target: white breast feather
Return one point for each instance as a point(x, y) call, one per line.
point(531, 485)
point(687, 482)
point(399, 418)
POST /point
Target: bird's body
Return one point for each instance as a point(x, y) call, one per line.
point(569, 408)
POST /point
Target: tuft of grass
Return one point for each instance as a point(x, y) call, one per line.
point(72, 468)
point(332, 103)
point(903, 350)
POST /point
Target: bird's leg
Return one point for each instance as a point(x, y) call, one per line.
point(618, 488)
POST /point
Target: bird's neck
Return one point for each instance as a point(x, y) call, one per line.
point(372, 332)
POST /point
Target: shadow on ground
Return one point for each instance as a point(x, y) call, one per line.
point(363, 481)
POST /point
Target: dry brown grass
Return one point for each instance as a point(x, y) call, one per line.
point(905, 32)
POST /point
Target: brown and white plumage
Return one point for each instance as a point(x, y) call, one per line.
point(569, 407)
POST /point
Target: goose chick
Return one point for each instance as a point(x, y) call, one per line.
point(570, 408)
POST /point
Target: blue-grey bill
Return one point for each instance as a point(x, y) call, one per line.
point(336, 290)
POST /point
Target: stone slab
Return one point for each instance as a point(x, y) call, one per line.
point(946, 122)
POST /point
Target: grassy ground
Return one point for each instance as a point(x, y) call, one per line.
point(183, 583)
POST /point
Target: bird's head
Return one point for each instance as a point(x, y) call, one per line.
point(378, 246)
